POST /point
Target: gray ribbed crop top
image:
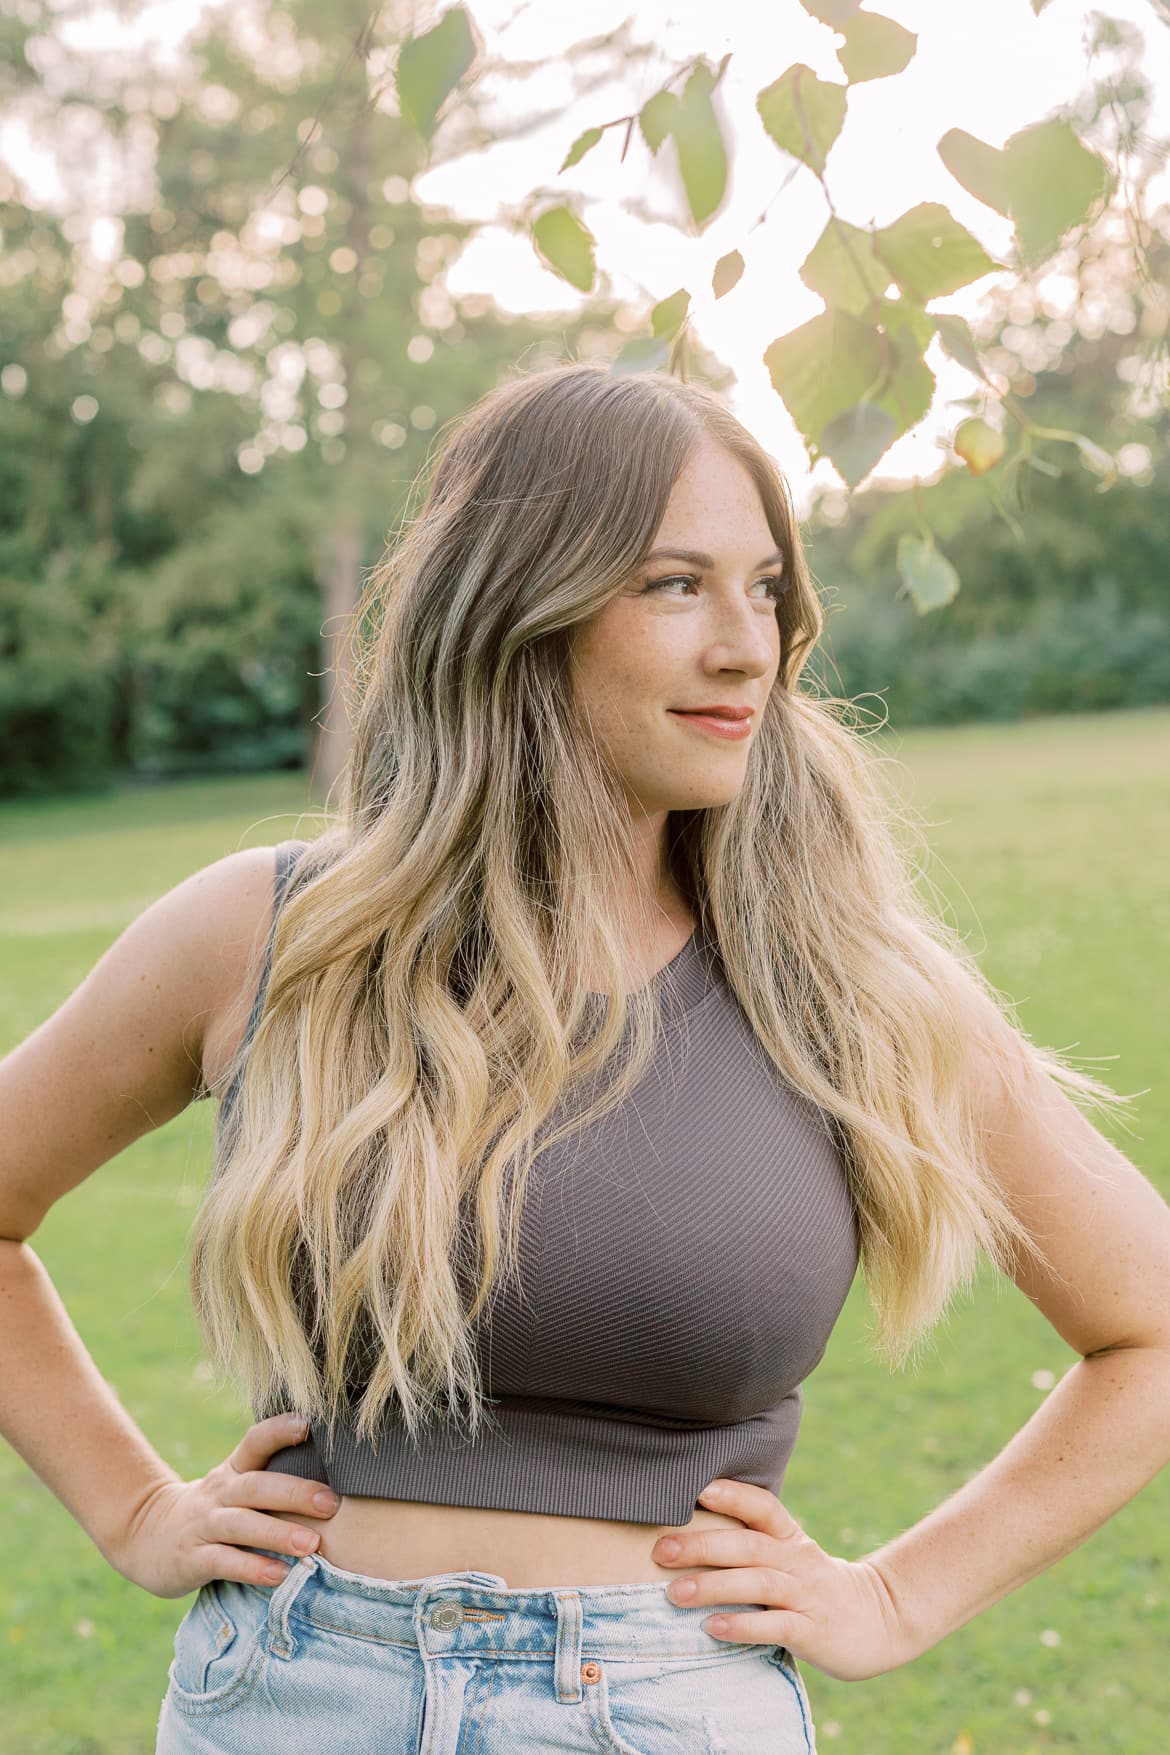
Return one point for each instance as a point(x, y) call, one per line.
point(683, 1262)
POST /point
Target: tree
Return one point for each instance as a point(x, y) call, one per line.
point(222, 416)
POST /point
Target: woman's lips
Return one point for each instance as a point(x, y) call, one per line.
point(735, 729)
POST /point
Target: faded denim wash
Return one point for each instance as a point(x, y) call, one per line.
point(330, 1662)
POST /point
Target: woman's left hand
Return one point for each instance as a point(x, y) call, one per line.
point(836, 1614)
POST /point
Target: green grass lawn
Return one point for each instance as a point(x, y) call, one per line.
point(1050, 843)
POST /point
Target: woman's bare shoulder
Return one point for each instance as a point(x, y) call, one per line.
point(235, 914)
point(123, 1052)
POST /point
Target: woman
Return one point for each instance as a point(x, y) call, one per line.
point(579, 1064)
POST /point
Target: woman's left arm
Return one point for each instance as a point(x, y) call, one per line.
point(1104, 1432)
point(1098, 1439)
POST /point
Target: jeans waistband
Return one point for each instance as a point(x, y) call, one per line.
point(462, 1614)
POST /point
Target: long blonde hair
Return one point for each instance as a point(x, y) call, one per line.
point(426, 1006)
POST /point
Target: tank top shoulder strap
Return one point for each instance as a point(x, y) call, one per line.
point(287, 855)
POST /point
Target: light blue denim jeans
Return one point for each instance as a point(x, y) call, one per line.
point(330, 1662)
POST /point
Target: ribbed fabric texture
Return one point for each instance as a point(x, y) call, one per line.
point(682, 1264)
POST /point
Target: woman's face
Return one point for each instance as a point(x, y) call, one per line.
point(710, 637)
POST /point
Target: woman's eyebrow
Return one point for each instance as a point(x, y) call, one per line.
point(698, 559)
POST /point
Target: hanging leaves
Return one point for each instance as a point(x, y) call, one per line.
point(909, 382)
point(667, 316)
point(833, 12)
point(430, 66)
point(955, 335)
point(856, 440)
point(702, 156)
point(875, 47)
point(642, 353)
point(728, 273)
point(926, 252)
point(1045, 179)
point(855, 378)
point(824, 369)
point(566, 245)
point(584, 143)
point(842, 266)
point(803, 114)
point(927, 576)
point(930, 254)
point(656, 118)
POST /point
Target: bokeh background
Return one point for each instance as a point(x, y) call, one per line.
point(242, 293)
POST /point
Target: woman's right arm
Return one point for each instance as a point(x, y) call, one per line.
point(122, 1055)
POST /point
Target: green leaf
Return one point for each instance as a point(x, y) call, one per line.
point(832, 12)
point(930, 254)
point(955, 335)
point(908, 390)
point(803, 114)
point(823, 369)
point(896, 314)
point(656, 117)
point(584, 143)
point(1055, 182)
point(857, 439)
point(928, 576)
point(841, 266)
point(702, 156)
point(667, 316)
point(643, 353)
point(728, 272)
point(566, 246)
point(979, 167)
point(875, 47)
point(430, 67)
point(1045, 179)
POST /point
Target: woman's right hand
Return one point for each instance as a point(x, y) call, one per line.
point(186, 1533)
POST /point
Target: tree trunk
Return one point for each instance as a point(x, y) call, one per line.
point(339, 595)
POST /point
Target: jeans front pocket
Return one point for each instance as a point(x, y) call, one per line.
point(780, 1658)
point(646, 1709)
point(219, 1649)
point(742, 1703)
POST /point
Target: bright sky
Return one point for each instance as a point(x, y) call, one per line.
point(989, 66)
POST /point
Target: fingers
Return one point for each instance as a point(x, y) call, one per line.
point(263, 1490)
point(244, 1496)
point(256, 1529)
point(715, 1547)
point(244, 1568)
point(265, 1438)
point(740, 1584)
point(753, 1505)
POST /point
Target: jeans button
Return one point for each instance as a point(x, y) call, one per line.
point(446, 1615)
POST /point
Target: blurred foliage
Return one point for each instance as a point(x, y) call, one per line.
point(209, 426)
point(213, 401)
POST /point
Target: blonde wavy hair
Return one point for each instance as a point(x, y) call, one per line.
point(425, 1015)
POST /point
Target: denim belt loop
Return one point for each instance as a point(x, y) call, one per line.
point(281, 1638)
point(568, 1659)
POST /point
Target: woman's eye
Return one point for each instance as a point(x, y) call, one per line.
point(775, 580)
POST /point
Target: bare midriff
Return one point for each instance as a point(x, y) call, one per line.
point(399, 1538)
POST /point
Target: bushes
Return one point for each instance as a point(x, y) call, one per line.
point(57, 692)
point(1078, 656)
point(207, 665)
